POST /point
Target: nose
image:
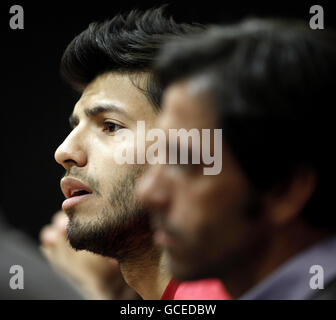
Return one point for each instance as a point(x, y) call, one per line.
point(152, 188)
point(71, 152)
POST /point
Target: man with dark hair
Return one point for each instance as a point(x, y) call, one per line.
point(110, 64)
point(263, 224)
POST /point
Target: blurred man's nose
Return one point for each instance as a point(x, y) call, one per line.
point(152, 188)
point(72, 152)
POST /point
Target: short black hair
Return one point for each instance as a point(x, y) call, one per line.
point(273, 84)
point(127, 43)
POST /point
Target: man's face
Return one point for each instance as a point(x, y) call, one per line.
point(105, 216)
point(201, 219)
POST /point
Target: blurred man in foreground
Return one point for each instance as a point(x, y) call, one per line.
point(265, 223)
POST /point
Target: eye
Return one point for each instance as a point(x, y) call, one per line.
point(109, 126)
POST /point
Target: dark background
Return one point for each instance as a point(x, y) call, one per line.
point(35, 103)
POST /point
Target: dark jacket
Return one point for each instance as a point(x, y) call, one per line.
point(39, 280)
point(328, 293)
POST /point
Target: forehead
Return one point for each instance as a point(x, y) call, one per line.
point(184, 106)
point(116, 89)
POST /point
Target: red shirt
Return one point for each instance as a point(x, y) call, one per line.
point(208, 289)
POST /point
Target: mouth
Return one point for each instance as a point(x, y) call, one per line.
point(74, 191)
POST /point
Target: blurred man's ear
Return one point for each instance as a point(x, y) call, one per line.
point(283, 205)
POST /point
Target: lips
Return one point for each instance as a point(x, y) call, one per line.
point(75, 191)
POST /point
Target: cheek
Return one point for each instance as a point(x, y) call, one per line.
point(190, 210)
point(104, 170)
point(205, 205)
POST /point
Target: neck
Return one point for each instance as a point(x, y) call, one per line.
point(278, 248)
point(147, 274)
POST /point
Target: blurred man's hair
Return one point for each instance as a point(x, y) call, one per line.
point(127, 43)
point(273, 85)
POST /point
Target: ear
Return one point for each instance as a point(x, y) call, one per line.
point(285, 205)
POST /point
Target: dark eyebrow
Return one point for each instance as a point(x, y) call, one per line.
point(92, 112)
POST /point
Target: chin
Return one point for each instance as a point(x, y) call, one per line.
point(185, 271)
point(81, 214)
